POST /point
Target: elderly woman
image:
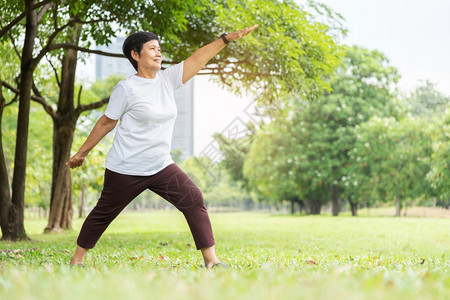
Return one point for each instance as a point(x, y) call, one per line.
point(140, 155)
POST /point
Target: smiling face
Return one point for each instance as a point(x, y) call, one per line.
point(150, 58)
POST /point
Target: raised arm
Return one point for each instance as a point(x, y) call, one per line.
point(201, 57)
point(101, 128)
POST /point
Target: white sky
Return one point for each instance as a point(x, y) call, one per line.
point(414, 34)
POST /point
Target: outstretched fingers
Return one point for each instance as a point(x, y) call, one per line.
point(250, 29)
point(246, 31)
point(241, 33)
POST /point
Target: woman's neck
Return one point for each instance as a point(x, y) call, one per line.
point(149, 74)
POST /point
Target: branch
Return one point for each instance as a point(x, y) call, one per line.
point(95, 21)
point(2, 100)
point(81, 49)
point(35, 90)
point(38, 99)
point(44, 10)
point(55, 71)
point(79, 95)
point(82, 108)
point(3, 103)
point(55, 17)
point(222, 73)
point(45, 105)
point(16, 97)
point(9, 87)
point(14, 45)
point(215, 62)
point(5, 29)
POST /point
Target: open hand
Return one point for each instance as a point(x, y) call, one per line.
point(240, 33)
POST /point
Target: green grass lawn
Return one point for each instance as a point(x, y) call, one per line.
point(152, 256)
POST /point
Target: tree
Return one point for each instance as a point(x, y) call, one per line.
point(391, 158)
point(12, 211)
point(8, 62)
point(364, 86)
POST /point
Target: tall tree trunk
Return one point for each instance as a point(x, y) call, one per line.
point(5, 195)
point(64, 122)
point(335, 207)
point(61, 211)
point(353, 207)
point(15, 229)
point(398, 206)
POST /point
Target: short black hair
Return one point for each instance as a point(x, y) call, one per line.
point(135, 42)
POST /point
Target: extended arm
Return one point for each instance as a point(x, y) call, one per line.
point(201, 57)
point(101, 128)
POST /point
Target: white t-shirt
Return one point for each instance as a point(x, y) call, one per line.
point(147, 111)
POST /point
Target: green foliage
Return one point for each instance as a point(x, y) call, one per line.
point(391, 159)
point(290, 52)
point(270, 257)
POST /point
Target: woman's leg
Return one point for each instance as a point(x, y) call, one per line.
point(176, 187)
point(118, 191)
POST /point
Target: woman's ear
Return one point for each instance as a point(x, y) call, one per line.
point(135, 55)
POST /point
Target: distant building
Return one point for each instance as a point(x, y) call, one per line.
point(106, 66)
point(183, 134)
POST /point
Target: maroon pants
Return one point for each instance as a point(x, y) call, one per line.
point(170, 183)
